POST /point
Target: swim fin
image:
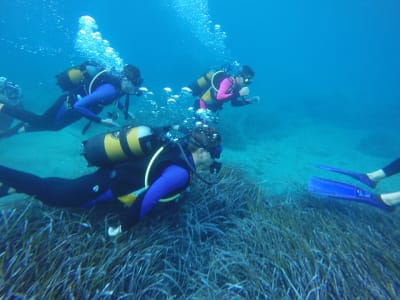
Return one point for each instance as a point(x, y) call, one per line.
point(340, 190)
point(363, 178)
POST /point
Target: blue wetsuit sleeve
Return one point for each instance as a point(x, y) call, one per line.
point(103, 95)
point(173, 178)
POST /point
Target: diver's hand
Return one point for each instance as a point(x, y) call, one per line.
point(128, 115)
point(254, 99)
point(131, 116)
point(176, 127)
point(244, 91)
point(114, 231)
point(109, 122)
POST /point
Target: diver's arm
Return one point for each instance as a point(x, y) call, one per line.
point(120, 104)
point(243, 98)
point(123, 106)
point(240, 101)
point(174, 178)
point(223, 91)
point(103, 95)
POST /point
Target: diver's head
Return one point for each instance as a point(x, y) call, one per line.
point(205, 146)
point(247, 74)
point(131, 80)
point(132, 73)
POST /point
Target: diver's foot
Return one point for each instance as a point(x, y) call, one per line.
point(384, 203)
point(391, 199)
point(376, 176)
point(5, 190)
point(19, 128)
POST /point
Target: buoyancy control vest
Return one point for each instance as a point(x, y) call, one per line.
point(208, 82)
point(141, 174)
point(84, 78)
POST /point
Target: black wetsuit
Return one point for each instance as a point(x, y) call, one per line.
point(392, 168)
point(69, 107)
point(55, 191)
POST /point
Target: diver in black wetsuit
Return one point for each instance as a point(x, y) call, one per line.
point(88, 88)
point(167, 173)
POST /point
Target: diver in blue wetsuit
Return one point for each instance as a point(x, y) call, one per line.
point(137, 184)
point(345, 191)
point(88, 88)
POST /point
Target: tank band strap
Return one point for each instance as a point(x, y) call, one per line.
point(124, 142)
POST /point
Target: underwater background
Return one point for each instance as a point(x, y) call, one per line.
point(328, 74)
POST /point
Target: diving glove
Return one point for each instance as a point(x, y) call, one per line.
point(114, 231)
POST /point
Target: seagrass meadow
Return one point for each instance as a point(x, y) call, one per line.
point(232, 241)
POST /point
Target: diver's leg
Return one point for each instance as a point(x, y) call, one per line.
point(387, 171)
point(392, 168)
point(33, 122)
point(56, 191)
point(29, 120)
point(5, 190)
point(5, 121)
point(19, 113)
point(51, 112)
point(391, 198)
point(18, 128)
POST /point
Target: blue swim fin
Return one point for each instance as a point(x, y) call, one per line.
point(363, 178)
point(344, 191)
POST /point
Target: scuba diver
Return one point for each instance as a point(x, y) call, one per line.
point(11, 94)
point(217, 88)
point(135, 184)
point(87, 89)
point(344, 191)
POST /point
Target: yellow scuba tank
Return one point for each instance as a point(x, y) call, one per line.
point(201, 84)
point(70, 78)
point(85, 73)
point(129, 143)
point(208, 82)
